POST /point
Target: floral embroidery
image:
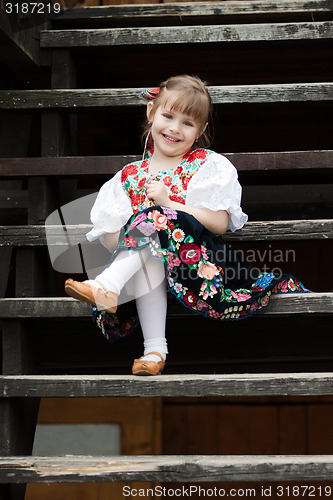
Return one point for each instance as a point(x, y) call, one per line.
point(147, 228)
point(135, 176)
point(240, 296)
point(264, 301)
point(289, 285)
point(202, 306)
point(139, 218)
point(214, 314)
point(178, 235)
point(112, 327)
point(142, 242)
point(207, 270)
point(170, 213)
point(189, 253)
point(130, 242)
point(190, 299)
point(178, 288)
point(173, 261)
point(264, 280)
point(204, 289)
point(159, 220)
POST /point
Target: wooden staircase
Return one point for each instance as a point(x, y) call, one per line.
point(63, 119)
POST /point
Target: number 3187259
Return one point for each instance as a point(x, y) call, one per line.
point(32, 8)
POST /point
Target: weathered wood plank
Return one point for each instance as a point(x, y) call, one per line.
point(252, 231)
point(248, 385)
point(186, 34)
point(77, 166)
point(67, 166)
point(166, 468)
point(231, 94)
point(201, 9)
point(295, 304)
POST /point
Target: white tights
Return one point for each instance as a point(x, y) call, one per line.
point(148, 278)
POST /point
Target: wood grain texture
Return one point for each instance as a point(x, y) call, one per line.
point(65, 307)
point(66, 166)
point(235, 385)
point(95, 98)
point(166, 468)
point(201, 9)
point(186, 34)
point(40, 235)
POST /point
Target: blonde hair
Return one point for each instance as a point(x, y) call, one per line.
point(193, 99)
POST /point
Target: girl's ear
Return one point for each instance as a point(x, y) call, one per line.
point(202, 131)
point(149, 109)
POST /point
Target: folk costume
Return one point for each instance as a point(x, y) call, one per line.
point(202, 272)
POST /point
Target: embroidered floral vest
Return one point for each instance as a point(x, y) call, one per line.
point(135, 175)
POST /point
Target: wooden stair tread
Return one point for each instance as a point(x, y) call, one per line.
point(179, 385)
point(104, 37)
point(228, 94)
point(166, 468)
point(199, 9)
point(40, 235)
point(293, 304)
point(296, 161)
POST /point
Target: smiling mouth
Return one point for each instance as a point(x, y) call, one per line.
point(171, 139)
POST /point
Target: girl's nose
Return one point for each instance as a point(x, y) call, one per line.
point(175, 126)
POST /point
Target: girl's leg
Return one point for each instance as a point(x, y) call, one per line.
point(150, 295)
point(104, 290)
point(121, 270)
point(152, 308)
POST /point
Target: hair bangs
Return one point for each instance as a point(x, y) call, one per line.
point(188, 102)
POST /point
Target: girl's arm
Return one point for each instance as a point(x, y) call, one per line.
point(215, 221)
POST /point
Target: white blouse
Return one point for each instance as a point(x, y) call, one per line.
point(215, 186)
point(111, 210)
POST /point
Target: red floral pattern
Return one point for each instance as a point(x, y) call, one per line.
point(189, 253)
point(134, 177)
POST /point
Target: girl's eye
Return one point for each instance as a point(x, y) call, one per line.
point(189, 124)
point(166, 115)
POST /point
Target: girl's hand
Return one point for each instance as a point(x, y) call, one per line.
point(157, 191)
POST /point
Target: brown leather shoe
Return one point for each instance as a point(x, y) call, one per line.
point(143, 367)
point(98, 297)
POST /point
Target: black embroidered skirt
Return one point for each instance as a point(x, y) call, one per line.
point(202, 271)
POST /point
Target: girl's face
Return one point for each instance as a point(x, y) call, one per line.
point(173, 132)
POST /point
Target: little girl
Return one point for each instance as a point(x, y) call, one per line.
point(163, 218)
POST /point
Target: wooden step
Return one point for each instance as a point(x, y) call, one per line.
point(229, 94)
point(302, 162)
point(251, 8)
point(171, 35)
point(178, 469)
point(41, 235)
point(293, 304)
point(234, 385)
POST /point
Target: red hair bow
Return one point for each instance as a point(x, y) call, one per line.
point(150, 95)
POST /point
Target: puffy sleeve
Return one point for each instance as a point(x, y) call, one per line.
point(111, 210)
point(215, 186)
